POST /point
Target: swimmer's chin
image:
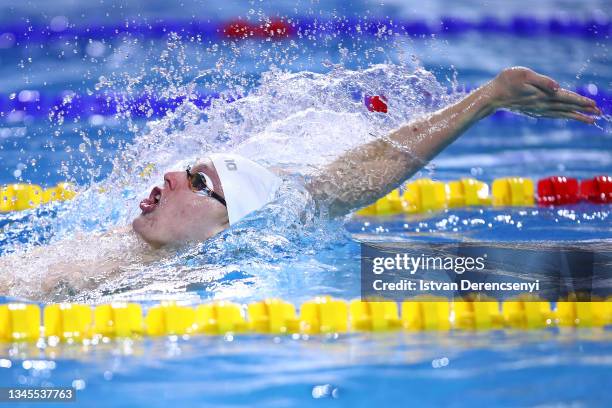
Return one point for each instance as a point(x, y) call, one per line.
point(138, 227)
point(142, 228)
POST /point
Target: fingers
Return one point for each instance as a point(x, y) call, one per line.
point(551, 87)
point(570, 115)
point(542, 82)
point(563, 95)
point(571, 107)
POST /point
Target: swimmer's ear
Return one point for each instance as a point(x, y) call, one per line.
point(544, 83)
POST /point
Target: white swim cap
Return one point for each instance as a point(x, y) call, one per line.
point(247, 186)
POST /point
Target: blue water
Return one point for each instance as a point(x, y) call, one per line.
point(497, 369)
point(322, 257)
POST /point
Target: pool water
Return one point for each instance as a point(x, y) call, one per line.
point(301, 88)
point(505, 369)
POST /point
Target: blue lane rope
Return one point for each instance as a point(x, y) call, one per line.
point(40, 105)
point(14, 107)
point(598, 26)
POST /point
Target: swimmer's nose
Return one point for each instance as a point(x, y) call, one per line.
point(174, 179)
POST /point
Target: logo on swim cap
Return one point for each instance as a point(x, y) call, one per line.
point(230, 164)
point(247, 186)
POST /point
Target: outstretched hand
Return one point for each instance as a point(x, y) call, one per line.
point(523, 90)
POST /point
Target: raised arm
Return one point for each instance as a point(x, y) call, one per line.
point(367, 172)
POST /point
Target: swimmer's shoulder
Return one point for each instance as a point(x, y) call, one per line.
point(278, 171)
point(295, 178)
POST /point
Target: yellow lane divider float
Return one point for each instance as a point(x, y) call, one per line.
point(322, 315)
point(19, 197)
point(425, 195)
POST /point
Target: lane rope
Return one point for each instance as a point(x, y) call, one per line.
point(426, 195)
point(17, 107)
point(418, 196)
point(19, 33)
point(21, 322)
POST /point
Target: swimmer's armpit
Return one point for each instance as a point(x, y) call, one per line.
point(367, 172)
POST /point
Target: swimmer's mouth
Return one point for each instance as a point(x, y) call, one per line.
point(150, 204)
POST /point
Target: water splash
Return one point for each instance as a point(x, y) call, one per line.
point(284, 119)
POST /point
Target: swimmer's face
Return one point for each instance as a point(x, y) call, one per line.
point(175, 214)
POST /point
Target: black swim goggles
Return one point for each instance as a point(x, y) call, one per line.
point(197, 183)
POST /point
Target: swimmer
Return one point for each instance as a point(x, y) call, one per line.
point(207, 198)
point(199, 202)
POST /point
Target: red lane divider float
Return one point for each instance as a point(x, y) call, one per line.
point(426, 195)
point(273, 29)
point(559, 190)
point(597, 190)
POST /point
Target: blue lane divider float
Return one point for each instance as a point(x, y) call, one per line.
point(15, 107)
point(58, 28)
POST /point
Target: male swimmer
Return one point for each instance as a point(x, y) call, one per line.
point(207, 198)
point(197, 203)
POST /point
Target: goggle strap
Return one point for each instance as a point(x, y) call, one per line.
point(218, 198)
